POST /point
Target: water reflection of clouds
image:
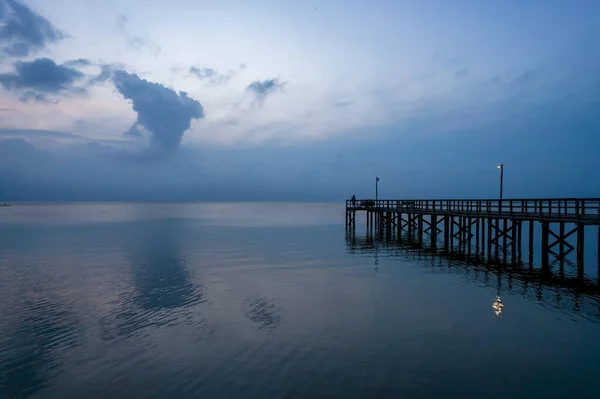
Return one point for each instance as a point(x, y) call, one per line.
point(162, 289)
point(263, 313)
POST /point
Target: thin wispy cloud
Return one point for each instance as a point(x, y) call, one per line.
point(136, 42)
point(263, 88)
point(37, 133)
point(211, 75)
point(258, 91)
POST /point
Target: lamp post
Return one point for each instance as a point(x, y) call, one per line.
point(501, 167)
point(376, 188)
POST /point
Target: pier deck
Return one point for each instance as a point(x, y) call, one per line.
point(495, 225)
point(573, 210)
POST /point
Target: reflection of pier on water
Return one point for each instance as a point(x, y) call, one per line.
point(560, 285)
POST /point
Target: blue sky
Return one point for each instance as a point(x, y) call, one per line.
point(270, 100)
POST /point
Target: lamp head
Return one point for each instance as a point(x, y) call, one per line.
point(500, 166)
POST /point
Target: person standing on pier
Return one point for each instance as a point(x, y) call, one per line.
point(353, 201)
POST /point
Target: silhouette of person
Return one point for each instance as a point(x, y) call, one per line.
point(353, 201)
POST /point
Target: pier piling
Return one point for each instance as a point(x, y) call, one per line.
point(496, 226)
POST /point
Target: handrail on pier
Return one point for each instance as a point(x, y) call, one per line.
point(575, 209)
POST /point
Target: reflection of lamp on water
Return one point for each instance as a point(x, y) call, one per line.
point(498, 306)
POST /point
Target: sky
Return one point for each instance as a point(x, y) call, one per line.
point(257, 100)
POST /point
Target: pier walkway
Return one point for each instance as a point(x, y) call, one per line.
point(492, 224)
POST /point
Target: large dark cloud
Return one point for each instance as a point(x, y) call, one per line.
point(22, 31)
point(162, 111)
point(38, 78)
point(211, 75)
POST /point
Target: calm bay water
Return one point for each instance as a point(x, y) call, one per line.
point(115, 300)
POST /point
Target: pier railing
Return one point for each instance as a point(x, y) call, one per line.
point(584, 209)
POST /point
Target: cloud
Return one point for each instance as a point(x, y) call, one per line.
point(133, 41)
point(37, 133)
point(211, 75)
point(166, 114)
point(40, 77)
point(133, 131)
point(22, 31)
point(177, 69)
point(259, 90)
point(38, 97)
point(106, 72)
point(80, 62)
point(343, 104)
point(262, 88)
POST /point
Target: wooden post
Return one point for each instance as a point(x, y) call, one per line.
point(531, 222)
point(433, 235)
point(451, 243)
point(420, 227)
point(374, 222)
point(388, 223)
point(477, 235)
point(580, 241)
point(561, 236)
point(483, 236)
point(447, 233)
point(459, 233)
point(496, 239)
point(505, 231)
point(519, 237)
point(545, 234)
point(504, 239)
point(513, 250)
point(373, 226)
point(489, 236)
point(469, 221)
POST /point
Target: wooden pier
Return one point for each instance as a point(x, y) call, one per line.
point(493, 227)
